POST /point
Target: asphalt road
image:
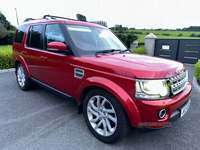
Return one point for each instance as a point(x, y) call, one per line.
point(40, 120)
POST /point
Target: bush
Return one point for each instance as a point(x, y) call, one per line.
point(140, 50)
point(192, 35)
point(141, 44)
point(6, 57)
point(137, 32)
point(8, 40)
point(166, 34)
point(180, 34)
point(197, 71)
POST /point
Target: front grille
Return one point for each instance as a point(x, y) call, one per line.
point(179, 82)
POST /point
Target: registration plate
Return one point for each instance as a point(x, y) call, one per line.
point(185, 108)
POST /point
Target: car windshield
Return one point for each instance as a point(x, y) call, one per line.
point(90, 40)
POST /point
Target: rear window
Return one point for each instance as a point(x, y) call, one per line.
point(20, 33)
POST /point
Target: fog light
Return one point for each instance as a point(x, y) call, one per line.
point(162, 113)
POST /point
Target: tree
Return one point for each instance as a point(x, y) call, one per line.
point(130, 38)
point(6, 23)
point(3, 31)
point(127, 38)
point(81, 17)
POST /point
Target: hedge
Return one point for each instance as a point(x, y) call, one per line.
point(6, 57)
point(8, 40)
point(139, 50)
point(197, 71)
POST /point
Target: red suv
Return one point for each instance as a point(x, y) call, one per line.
point(114, 88)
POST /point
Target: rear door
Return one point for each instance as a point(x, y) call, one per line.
point(33, 50)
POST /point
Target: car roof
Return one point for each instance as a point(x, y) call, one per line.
point(62, 21)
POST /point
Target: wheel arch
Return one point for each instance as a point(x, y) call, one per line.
point(21, 60)
point(108, 85)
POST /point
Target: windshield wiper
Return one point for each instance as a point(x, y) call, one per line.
point(107, 51)
point(126, 50)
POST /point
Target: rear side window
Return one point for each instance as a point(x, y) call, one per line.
point(34, 38)
point(20, 33)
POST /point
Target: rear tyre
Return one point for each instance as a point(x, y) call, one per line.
point(22, 79)
point(105, 116)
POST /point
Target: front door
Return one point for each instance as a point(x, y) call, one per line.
point(56, 69)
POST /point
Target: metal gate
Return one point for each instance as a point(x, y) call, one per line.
point(186, 51)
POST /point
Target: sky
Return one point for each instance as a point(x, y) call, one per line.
point(140, 14)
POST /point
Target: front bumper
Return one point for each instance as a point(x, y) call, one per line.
point(149, 109)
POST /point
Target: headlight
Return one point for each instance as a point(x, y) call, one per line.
point(151, 89)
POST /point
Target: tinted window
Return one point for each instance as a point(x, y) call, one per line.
point(53, 34)
point(28, 37)
point(20, 33)
point(35, 36)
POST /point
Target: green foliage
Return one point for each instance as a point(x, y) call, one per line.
point(166, 34)
point(192, 35)
point(81, 17)
point(192, 28)
point(140, 50)
point(127, 39)
point(8, 40)
point(130, 39)
point(6, 23)
point(180, 34)
point(6, 57)
point(3, 31)
point(122, 37)
point(137, 32)
point(102, 23)
point(119, 28)
point(197, 71)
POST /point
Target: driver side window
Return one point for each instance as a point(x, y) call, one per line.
point(53, 34)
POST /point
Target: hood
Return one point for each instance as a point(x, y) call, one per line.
point(132, 65)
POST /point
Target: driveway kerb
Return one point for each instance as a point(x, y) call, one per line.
point(7, 70)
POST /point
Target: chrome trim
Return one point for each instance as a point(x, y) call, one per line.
point(165, 55)
point(179, 82)
point(191, 57)
point(79, 73)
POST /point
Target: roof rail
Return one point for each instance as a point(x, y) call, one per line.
point(29, 19)
point(54, 17)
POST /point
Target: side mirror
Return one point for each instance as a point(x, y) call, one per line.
point(56, 46)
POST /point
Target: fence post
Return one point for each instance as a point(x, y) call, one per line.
point(150, 43)
point(134, 44)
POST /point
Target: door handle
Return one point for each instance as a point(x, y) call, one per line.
point(44, 57)
point(24, 52)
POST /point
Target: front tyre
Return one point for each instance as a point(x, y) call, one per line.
point(105, 116)
point(22, 78)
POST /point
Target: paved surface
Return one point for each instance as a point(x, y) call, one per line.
point(40, 120)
